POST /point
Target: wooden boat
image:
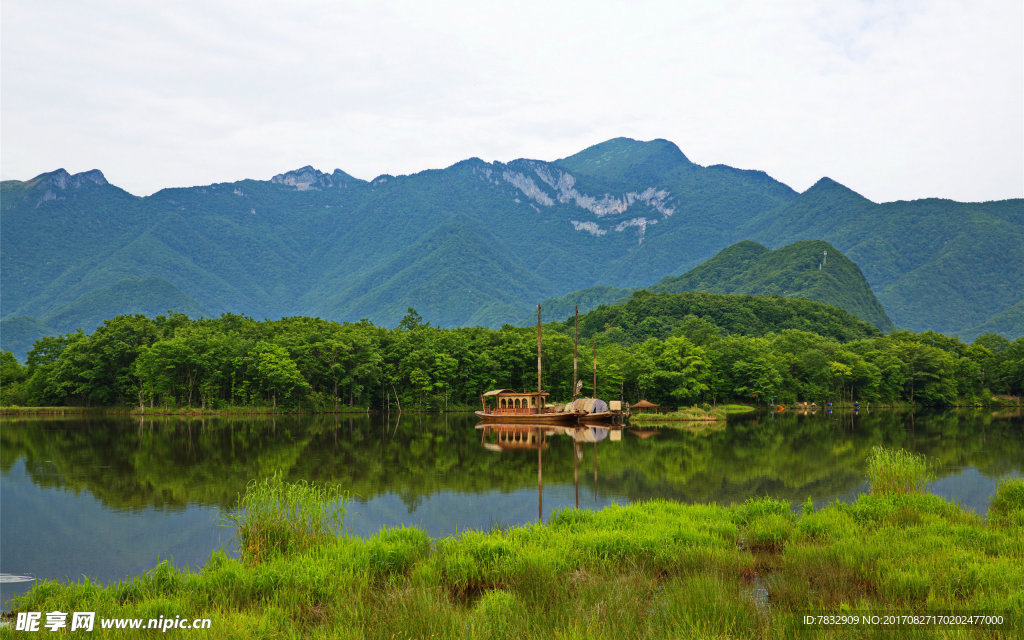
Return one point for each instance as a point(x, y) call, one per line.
point(514, 407)
point(524, 407)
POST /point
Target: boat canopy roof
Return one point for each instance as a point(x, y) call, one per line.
point(510, 392)
point(643, 404)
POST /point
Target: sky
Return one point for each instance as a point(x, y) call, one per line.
point(896, 100)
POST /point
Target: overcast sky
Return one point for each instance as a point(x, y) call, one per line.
point(896, 100)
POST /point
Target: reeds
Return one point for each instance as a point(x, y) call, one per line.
point(1007, 505)
point(276, 517)
point(897, 471)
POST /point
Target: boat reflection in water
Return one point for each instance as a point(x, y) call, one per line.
point(499, 437)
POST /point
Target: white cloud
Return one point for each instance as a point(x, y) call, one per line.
point(894, 99)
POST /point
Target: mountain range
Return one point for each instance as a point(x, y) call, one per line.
point(480, 242)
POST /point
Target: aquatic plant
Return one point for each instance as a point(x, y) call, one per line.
point(1007, 505)
point(277, 517)
point(897, 471)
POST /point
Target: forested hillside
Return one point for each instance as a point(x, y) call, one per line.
point(675, 349)
point(476, 242)
point(806, 269)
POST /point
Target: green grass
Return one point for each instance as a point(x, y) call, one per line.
point(736, 408)
point(276, 517)
point(695, 414)
point(1007, 505)
point(18, 410)
point(897, 471)
point(653, 570)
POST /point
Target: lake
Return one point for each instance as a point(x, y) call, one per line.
point(109, 497)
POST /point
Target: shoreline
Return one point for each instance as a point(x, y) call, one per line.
point(268, 411)
point(653, 569)
point(191, 412)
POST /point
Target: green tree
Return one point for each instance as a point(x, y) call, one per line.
point(681, 370)
point(276, 373)
point(12, 380)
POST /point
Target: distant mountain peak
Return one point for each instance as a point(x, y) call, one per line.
point(61, 179)
point(303, 179)
point(630, 151)
point(828, 186)
point(56, 185)
point(309, 179)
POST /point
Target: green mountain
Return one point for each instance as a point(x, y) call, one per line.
point(934, 264)
point(150, 297)
point(449, 259)
point(478, 241)
point(659, 315)
point(20, 332)
point(807, 269)
point(585, 300)
point(800, 270)
point(1008, 322)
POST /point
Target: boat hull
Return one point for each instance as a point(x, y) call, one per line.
point(529, 418)
point(605, 417)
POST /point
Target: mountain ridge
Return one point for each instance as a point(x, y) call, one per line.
point(622, 213)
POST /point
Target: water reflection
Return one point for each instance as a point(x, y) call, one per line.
point(109, 496)
point(525, 437)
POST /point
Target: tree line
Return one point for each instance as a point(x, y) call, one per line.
point(308, 363)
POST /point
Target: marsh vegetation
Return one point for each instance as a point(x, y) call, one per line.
point(655, 570)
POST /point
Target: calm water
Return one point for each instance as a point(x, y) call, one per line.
point(110, 497)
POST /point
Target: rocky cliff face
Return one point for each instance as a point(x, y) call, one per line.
point(309, 179)
point(56, 184)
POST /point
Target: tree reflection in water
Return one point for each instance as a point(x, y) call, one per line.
point(129, 463)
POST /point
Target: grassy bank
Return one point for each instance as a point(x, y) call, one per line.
point(689, 414)
point(706, 413)
point(238, 411)
point(653, 570)
point(737, 408)
point(13, 410)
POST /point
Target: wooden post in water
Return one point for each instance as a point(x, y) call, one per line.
point(540, 476)
point(576, 469)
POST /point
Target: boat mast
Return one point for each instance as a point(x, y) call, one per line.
point(595, 366)
point(575, 349)
point(538, 354)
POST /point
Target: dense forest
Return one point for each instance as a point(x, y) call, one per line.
point(675, 349)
